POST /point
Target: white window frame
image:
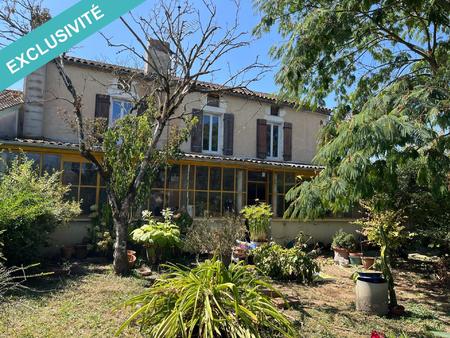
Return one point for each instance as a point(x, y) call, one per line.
point(271, 124)
point(220, 133)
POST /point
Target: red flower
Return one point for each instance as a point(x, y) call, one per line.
point(376, 334)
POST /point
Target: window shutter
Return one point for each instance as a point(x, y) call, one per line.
point(228, 131)
point(196, 132)
point(287, 141)
point(261, 138)
point(102, 103)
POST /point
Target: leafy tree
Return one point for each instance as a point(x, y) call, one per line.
point(387, 64)
point(31, 207)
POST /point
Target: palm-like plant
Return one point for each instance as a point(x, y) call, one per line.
point(210, 300)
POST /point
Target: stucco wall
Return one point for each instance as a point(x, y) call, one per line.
point(90, 82)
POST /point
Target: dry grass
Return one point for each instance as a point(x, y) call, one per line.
point(85, 305)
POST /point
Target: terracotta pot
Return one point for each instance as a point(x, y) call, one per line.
point(131, 260)
point(67, 251)
point(340, 256)
point(368, 262)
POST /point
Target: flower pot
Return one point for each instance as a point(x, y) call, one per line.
point(368, 262)
point(355, 258)
point(372, 297)
point(131, 260)
point(67, 251)
point(340, 256)
point(81, 251)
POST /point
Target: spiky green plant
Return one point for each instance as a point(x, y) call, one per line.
point(209, 300)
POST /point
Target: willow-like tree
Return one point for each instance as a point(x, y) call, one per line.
point(194, 45)
point(387, 64)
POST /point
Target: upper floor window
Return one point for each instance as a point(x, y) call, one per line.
point(119, 109)
point(273, 140)
point(211, 128)
point(274, 110)
point(213, 100)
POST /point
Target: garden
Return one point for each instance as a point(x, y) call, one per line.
point(210, 278)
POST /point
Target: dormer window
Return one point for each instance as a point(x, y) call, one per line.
point(275, 110)
point(213, 100)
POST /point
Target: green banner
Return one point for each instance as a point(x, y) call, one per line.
point(57, 36)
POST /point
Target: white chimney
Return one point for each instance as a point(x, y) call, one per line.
point(33, 112)
point(158, 57)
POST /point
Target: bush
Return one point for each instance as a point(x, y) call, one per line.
point(31, 207)
point(258, 219)
point(285, 264)
point(344, 240)
point(157, 237)
point(210, 300)
point(219, 239)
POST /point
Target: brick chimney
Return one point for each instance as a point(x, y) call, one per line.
point(158, 56)
point(33, 111)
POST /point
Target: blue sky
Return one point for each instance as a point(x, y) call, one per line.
point(96, 47)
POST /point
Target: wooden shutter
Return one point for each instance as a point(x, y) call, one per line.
point(228, 131)
point(261, 138)
point(102, 103)
point(197, 132)
point(287, 141)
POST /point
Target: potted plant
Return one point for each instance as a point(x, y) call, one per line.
point(258, 218)
point(342, 244)
point(131, 254)
point(157, 237)
point(355, 258)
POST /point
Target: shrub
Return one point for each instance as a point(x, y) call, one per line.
point(344, 240)
point(157, 236)
point(31, 207)
point(210, 300)
point(219, 239)
point(183, 220)
point(101, 232)
point(258, 218)
point(285, 264)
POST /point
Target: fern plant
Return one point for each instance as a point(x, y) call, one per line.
point(208, 301)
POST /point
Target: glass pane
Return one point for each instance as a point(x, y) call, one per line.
point(280, 182)
point(201, 179)
point(228, 202)
point(126, 107)
point(88, 174)
point(184, 176)
point(215, 178)
point(72, 194)
point(270, 182)
point(87, 198)
point(102, 198)
point(173, 200)
point(116, 110)
point(280, 205)
point(156, 202)
point(257, 176)
point(268, 139)
point(173, 177)
point(289, 181)
point(51, 163)
point(215, 134)
point(183, 200)
point(206, 122)
point(192, 177)
point(275, 142)
point(228, 179)
point(200, 203)
point(159, 179)
point(36, 158)
point(71, 173)
point(214, 204)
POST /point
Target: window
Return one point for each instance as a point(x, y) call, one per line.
point(274, 110)
point(211, 126)
point(213, 100)
point(273, 140)
point(119, 109)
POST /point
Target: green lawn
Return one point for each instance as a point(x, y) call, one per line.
point(87, 304)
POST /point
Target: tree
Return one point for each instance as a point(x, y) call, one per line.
point(387, 64)
point(195, 45)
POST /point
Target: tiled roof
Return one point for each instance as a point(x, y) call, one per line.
point(10, 98)
point(188, 156)
point(200, 84)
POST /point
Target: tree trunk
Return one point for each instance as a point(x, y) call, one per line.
point(120, 246)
